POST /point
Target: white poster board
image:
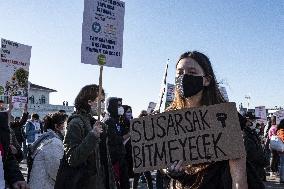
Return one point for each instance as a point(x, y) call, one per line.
point(260, 112)
point(224, 93)
point(170, 92)
point(279, 116)
point(102, 32)
point(14, 69)
point(170, 95)
point(151, 107)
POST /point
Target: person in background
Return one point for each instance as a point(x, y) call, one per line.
point(267, 127)
point(33, 129)
point(127, 117)
point(10, 173)
point(274, 154)
point(18, 126)
point(15, 147)
point(2, 106)
point(277, 144)
point(125, 123)
point(46, 153)
point(62, 111)
point(115, 141)
point(254, 149)
point(273, 128)
point(261, 128)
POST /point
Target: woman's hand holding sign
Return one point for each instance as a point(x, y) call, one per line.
point(176, 170)
point(98, 129)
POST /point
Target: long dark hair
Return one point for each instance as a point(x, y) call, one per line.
point(143, 113)
point(123, 120)
point(89, 92)
point(53, 118)
point(211, 93)
point(126, 107)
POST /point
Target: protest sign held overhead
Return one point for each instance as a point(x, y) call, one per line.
point(279, 116)
point(224, 93)
point(260, 112)
point(195, 135)
point(102, 34)
point(14, 68)
point(151, 107)
point(170, 95)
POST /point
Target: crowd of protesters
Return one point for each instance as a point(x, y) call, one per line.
point(79, 151)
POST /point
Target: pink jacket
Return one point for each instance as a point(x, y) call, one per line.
point(272, 131)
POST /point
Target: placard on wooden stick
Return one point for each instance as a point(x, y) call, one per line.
point(195, 135)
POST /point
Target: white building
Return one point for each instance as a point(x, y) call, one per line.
point(39, 102)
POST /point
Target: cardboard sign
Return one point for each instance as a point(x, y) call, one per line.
point(195, 135)
point(14, 69)
point(102, 38)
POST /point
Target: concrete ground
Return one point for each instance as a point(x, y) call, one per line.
point(272, 181)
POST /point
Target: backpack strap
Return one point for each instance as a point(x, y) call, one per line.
point(37, 143)
point(32, 149)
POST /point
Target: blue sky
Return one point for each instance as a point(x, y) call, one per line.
point(243, 39)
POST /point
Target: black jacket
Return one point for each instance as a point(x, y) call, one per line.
point(255, 152)
point(18, 128)
point(115, 139)
point(12, 171)
point(80, 167)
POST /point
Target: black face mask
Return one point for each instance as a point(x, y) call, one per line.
point(189, 85)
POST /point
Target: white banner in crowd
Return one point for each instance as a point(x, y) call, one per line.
point(260, 111)
point(279, 116)
point(224, 93)
point(170, 94)
point(151, 107)
point(14, 69)
point(102, 37)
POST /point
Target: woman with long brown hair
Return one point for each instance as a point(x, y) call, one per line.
point(81, 165)
point(196, 86)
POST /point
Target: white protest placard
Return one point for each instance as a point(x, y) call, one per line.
point(224, 93)
point(151, 107)
point(170, 94)
point(102, 32)
point(195, 135)
point(260, 112)
point(14, 69)
point(279, 116)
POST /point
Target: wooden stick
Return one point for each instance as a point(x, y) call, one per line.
point(100, 92)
